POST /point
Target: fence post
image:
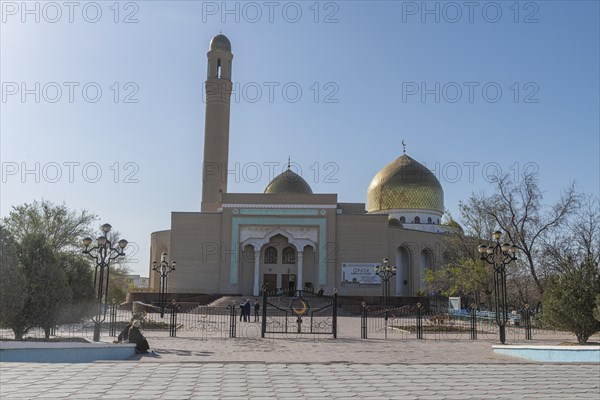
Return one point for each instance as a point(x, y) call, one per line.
point(112, 330)
point(263, 326)
point(385, 322)
point(173, 324)
point(527, 322)
point(363, 321)
point(419, 321)
point(334, 324)
point(473, 322)
point(232, 321)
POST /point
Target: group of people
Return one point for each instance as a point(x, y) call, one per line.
point(245, 308)
point(132, 334)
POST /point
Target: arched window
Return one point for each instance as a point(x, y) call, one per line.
point(402, 220)
point(417, 220)
point(429, 221)
point(289, 255)
point(271, 255)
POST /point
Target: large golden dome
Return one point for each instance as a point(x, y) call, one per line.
point(405, 184)
point(288, 182)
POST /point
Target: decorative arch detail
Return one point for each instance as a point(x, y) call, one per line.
point(298, 240)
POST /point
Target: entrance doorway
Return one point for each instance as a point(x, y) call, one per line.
point(286, 279)
point(270, 281)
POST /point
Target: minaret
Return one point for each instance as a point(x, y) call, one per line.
point(216, 128)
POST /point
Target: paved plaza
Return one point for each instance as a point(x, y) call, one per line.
point(197, 380)
point(192, 366)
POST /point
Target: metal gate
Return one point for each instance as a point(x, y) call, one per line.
point(299, 312)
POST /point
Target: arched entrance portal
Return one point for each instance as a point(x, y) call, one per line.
point(279, 265)
point(278, 257)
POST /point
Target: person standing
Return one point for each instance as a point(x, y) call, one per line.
point(247, 310)
point(256, 308)
point(292, 284)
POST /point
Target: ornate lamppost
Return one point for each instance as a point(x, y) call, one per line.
point(103, 253)
point(163, 268)
point(385, 272)
point(499, 255)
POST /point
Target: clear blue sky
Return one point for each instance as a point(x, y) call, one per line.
point(371, 61)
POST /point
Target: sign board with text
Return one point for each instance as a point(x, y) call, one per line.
point(363, 273)
point(454, 303)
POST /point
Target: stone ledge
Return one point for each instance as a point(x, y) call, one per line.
point(576, 354)
point(67, 352)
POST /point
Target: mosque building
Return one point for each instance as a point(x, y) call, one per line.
point(241, 242)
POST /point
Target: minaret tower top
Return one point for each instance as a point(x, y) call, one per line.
point(216, 129)
point(219, 58)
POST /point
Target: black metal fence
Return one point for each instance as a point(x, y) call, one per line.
point(418, 322)
point(298, 314)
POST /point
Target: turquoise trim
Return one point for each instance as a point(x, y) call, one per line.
point(235, 235)
point(282, 211)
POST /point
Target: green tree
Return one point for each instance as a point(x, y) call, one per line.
point(62, 227)
point(468, 277)
point(80, 278)
point(48, 238)
point(464, 273)
point(119, 283)
point(597, 309)
point(47, 284)
point(13, 286)
point(570, 300)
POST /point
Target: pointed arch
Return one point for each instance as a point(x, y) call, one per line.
point(426, 261)
point(288, 255)
point(270, 256)
point(403, 268)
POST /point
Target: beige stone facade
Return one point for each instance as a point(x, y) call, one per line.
point(288, 236)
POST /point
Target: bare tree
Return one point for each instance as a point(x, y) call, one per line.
point(518, 210)
point(578, 241)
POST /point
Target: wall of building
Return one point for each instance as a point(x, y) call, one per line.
point(415, 244)
point(196, 246)
point(360, 239)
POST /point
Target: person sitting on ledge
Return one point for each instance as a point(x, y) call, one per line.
point(124, 335)
point(135, 336)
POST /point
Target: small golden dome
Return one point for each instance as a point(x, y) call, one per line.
point(288, 182)
point(405, 183)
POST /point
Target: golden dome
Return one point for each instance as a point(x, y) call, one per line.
point(405, 183)
point(288, 182)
